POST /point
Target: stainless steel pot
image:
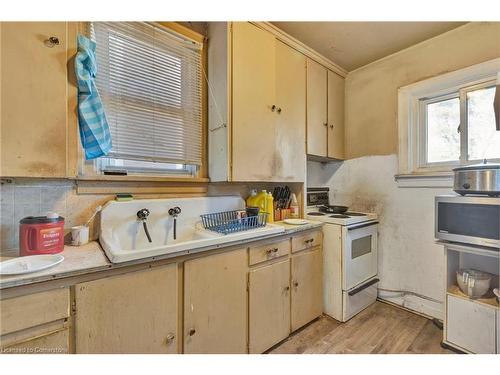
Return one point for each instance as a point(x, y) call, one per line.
point(481, 178)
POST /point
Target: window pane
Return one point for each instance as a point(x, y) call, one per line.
point(443, 139)
point(484, 140)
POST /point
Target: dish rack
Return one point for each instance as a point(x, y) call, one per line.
point(231, 221)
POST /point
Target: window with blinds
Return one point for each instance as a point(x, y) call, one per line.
point(150, 82)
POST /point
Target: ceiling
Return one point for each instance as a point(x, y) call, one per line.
point(354, 44)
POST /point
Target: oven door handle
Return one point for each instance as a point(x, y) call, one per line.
point(363, 287)
point(363, 225)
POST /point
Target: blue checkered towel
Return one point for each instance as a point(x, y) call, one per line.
point(94, 129)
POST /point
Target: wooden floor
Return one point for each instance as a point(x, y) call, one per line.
point(381, 328)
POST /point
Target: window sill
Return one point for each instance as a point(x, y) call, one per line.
point(425, 180)
point(145, 178)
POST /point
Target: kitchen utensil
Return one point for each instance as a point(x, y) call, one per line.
point(474, 283)
point(295, 221)
point(483, 178)
point(41, 234)
point(79, 235)
point(97, 209)
point(28, 264)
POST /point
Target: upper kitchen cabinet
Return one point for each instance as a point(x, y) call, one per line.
point(335, 116)
point(35, 98)
point(325, 112)
point(316, 109)
point(257, 116)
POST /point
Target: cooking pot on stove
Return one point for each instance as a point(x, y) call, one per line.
point(483, 178)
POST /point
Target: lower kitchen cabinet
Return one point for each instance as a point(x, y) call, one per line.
point(471, 325)
point(130, 313)
point(215, 303)
point(269, 305)
point(307, 283)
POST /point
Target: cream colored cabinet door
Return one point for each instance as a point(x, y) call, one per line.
point(269, 305)
point(33, 99)
point(470, 325)
point(335, 116)
point(215, 303)
point(307, 281)
point(253, 98)
point(290, 130)
point(131, 313)
point(316, 109)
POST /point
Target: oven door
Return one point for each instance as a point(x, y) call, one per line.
point(360, 253)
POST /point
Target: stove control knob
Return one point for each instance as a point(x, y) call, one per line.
point(466, 185)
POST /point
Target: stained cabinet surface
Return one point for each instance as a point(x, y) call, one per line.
point(269, 305)
point(316, 109)
point(131, 313)
point(215, 303)
point(307, 295)
point(265, 103)
point(34, 99)
point(335, 116)
point(325, 112)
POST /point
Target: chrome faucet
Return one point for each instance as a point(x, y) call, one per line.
point(142, 215)
point(174, 212)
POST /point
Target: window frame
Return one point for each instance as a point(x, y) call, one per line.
point(412, 127)
point(92, 169)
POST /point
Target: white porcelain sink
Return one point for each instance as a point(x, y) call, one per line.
point(123, 238)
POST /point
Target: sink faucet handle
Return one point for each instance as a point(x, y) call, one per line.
point(143, 214)
point(174, 211)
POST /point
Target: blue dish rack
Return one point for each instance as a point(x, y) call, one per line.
point(230, 222)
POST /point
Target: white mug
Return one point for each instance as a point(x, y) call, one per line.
point(79, 235)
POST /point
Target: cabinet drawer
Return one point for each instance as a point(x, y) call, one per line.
point(268, 251)
point(307, 241)
point(470, 325)
point(33, 309)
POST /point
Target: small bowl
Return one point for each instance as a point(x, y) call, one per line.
point(474, 283)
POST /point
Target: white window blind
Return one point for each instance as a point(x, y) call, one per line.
point(150, 80)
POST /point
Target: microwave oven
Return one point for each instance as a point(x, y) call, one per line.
point(468, 219)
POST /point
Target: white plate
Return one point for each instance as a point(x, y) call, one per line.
point(28, 264)
point(295, 221)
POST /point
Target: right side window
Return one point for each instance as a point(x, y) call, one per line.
point(459, 127)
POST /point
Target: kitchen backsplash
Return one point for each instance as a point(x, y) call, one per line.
point(35, 197)
point(21, 198)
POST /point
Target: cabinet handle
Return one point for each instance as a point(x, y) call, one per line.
point(192, 331)
point(325, 124)
point(295, 284)
point(170, 338)
point(310, 240)
point(270, 251)
point(287, 288)
point(51, 42)
point(331, 126)
point(273, 107)
point(278, 110)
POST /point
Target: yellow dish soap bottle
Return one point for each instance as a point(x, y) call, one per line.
point(261, 201)
point(252, 198)
point(270, 208)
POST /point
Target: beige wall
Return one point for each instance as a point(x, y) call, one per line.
point(371, 91)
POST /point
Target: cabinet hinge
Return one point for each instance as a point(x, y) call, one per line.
point(73, 307)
